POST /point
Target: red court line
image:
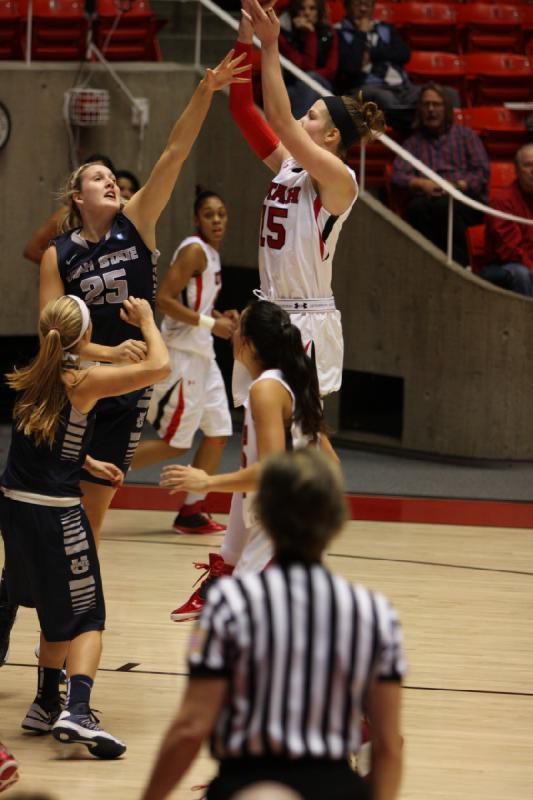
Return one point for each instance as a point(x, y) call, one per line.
point(437, 511)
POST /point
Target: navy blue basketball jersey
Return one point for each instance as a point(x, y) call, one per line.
point(106, 273)
point(54, 471)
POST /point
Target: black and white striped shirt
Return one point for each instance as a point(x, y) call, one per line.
point(299, 647)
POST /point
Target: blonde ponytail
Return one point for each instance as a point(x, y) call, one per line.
point(38, 408)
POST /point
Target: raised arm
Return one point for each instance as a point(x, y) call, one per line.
point(254, 128)
point(146, 206)
point(335, 184)
point(115, 381)
point(189, 262)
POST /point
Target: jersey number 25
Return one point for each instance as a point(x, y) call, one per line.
point(94, 286)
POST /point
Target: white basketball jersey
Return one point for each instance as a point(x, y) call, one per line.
point(249, 455)
point(200, 294)
point(297, 237)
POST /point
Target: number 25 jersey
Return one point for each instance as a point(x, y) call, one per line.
point(297, 238)
point(106, 273)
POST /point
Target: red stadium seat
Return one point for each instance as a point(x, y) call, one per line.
point(475, 241)
point(334, 8)
point(386, 12)
point(59, 30)
point(528, 28)
point(427, 26)
point(377, 156)
point(491, 27)
point(127, 31)
point(446, 68)
point(498, 78)
point(503, 131)
point(11, 29)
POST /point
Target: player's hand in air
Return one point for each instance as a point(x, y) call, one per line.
point(137, 312)
point(178, 478)
point(228, 71)
point(264, 20)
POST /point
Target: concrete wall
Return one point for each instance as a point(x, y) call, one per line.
point(462, 347)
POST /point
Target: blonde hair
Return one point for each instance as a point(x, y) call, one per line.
point(368, 118)
point(37, 410)
point(73, 218)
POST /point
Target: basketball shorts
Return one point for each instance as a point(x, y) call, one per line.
point(322, 340)
point(311, 778)
point(51, 564)
point(118, 425)
point(192, 398)
point(323, 343)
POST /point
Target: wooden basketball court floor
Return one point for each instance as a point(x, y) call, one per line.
point(465, 596)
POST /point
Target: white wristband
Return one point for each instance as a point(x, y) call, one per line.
point(206, 322)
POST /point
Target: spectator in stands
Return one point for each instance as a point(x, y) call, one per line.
point(128, 183)
point(509, 245)
point(372, 56)
point(456, 154)
point(308, 40)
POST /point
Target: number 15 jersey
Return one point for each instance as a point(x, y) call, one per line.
point(297, 238)
point(106, 273)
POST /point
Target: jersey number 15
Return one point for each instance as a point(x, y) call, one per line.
point(273, 232)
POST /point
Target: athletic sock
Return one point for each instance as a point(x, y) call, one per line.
point(48, 687)
point(79, 693)
point(191, 498)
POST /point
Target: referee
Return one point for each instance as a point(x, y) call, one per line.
point(282, 662)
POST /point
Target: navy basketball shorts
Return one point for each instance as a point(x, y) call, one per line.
point(118, 426)
point(51, 564)
point(312, 778)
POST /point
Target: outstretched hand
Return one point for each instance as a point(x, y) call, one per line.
point(264, 20)
point(178, 478)
point(228, 71)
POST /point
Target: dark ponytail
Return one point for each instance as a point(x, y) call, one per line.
point(278, 345)
point(201, 195)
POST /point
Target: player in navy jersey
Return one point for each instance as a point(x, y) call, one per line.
point(51, 562)
point(107, 254)
point(193, 397)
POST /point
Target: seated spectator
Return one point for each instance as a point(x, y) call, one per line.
point(509, 245)
point(308, 40)
point(453, 152)
point(372, 56)
point(128, 183)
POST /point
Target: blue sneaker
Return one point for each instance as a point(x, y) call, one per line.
point(83, 728)
point(39, 721)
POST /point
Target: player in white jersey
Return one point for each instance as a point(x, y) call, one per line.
point(283, 411)
point(193, 397)
point(310, 197)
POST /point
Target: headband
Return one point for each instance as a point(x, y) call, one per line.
point(85, 319)
point(342, 119)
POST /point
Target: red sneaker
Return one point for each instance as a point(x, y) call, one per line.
point(216, 568)
point(8, 769)
point(194, 519)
